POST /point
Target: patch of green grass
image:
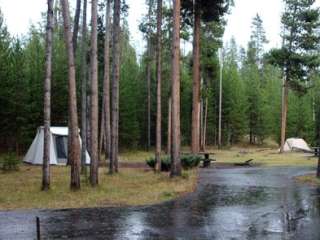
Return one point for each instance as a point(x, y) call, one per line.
point(9, 162)
point(21, 190)
point(136, 156)
point(168, 195)
point(263, 156)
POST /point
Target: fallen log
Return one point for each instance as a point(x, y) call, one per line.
point(244, 164)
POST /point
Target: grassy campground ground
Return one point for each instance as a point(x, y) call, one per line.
point(265, 156)
point(132, 186)
point(21, 189)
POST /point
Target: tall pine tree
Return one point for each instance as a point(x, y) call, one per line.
point(297, 56)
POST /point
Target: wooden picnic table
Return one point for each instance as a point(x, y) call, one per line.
point(316, 151)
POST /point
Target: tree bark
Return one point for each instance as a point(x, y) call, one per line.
point(88, 114)
point(204, 131)
point(169, 127)
point(94, 166)
point(201, 124)
point(148, 104)
point(285, 93)
point(102, 131)
point(84, 79)
point(106, 84)
point(220, 104)
point(175, 91)
point(317, 124)
point(195, 134)
point(115, 87)
point(159, 76)
point(318, 167)
point(47, 100)
point(74, 147)
point(149, 77)
point(76, 26)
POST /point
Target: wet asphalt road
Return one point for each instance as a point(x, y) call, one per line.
point(240, 203)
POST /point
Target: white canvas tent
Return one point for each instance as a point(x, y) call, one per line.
point(296, 145)
point(58, 147)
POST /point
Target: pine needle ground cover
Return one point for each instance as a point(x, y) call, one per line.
point(21, 189)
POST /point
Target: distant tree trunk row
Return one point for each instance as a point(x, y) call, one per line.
point(89, 102)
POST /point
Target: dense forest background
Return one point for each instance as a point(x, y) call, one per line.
point(251, 108)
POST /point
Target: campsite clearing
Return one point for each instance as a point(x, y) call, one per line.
point(265, 156)
point(21, 189)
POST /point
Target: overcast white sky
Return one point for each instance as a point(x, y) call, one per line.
point(239, 22)
point(19, 14)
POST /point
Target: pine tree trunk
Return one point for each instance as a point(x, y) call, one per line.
point(84, 79)
point(106, 84)
point(201, 123)
point(220, 105)
point(148, 104)
point(102, 131)
point(285, 92)
point(284, 111)
point(318, 167)
point(205, 120)
point(76, 26)
point(149, 78)
point(88, 113)
point(169, 127)
point(115, 87)
point(159, 76)
point(94, 166)
point(47, 100)
point(56, 13)
point(74, 147)
point(175, 91)
point(195, 134)
point(317, 125)
point(250, 135)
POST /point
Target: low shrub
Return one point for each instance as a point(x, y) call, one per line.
point(190, 161)
point(165, 163)
point(187, 162)
point(9, 162)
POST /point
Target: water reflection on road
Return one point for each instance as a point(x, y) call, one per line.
point(240, 203)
